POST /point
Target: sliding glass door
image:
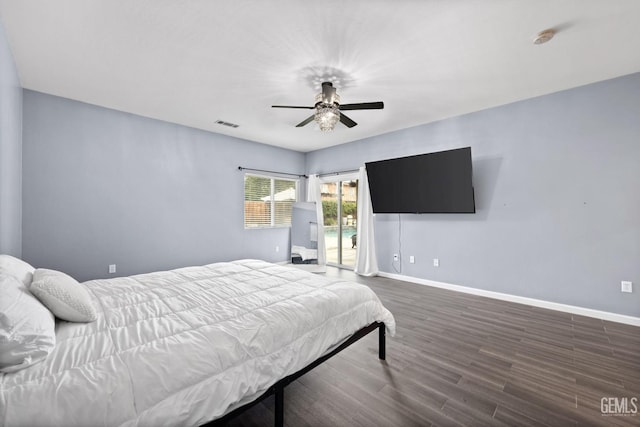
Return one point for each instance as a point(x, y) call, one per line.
point(339, 204)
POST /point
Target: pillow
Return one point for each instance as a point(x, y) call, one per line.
point(27, 328)
point(63, 295)
point(17, 268)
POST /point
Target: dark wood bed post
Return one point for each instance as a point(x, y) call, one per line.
point(382, 346)
point(279, 407)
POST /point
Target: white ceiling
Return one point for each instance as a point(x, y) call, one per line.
point(197, 61)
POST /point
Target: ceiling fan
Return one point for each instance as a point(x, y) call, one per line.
point(329, 110)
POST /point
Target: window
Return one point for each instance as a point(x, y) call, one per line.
point(268, 201)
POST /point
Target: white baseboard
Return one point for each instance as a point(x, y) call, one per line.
point(582, 311)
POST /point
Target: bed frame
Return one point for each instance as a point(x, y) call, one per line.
point(278, 388)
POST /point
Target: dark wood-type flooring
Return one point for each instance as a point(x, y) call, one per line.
point(460, 359)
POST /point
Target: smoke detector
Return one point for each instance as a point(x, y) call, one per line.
point(544, 36)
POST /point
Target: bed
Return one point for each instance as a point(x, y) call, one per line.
point(189, 346)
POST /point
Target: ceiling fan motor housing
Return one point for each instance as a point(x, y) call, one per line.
point(328, 95)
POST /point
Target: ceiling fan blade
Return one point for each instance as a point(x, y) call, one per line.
point(363, 106)
point(347, 121)
point(292, 106)
point(305, 122)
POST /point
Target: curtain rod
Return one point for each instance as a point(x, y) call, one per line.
point(338, 172)
point(277, 173)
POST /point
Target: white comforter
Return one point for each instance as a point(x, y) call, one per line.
point(182, 347)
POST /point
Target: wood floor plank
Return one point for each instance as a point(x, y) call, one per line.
point(460, 359)
point(520, 405)
point(513, 418)
point(466, 415)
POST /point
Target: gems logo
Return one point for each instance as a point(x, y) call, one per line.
point(619, 406)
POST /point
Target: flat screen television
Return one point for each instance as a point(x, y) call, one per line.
point(427, 183)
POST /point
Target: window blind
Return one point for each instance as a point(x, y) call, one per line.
point(268, 201)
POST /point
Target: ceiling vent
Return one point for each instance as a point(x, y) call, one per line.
point(223, 123)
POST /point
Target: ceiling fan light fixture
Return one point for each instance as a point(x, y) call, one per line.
point(327, 116)
point(328, 109)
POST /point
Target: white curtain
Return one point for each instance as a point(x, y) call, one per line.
point(366, 261)
point(313, 195)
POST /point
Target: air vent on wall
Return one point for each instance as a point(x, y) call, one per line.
point(222, 122)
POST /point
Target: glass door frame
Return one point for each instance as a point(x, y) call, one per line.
point(339, 179)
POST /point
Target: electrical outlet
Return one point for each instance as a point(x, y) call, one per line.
point(395, 257)
point(436, 262)
point(412, 259)
point(277, 248)
point(112, 268)
point(626, 286)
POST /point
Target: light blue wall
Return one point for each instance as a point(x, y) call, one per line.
point(557, 185)
point(105, 187)
point(556, 180)
point(10, 152)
